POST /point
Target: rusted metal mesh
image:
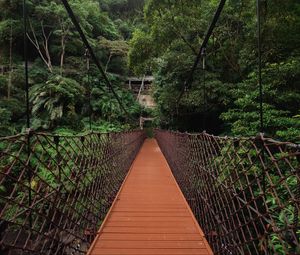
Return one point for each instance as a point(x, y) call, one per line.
point(245, 192)
point(56, 190)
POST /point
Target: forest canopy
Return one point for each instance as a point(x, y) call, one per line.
point(159, 38)
point(224, 98)
point(62, 78)
point(63, 159)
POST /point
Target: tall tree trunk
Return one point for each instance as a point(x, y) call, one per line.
point(108, 61)
point(62, 55)
point(45, 46)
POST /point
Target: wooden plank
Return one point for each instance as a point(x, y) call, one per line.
point(147, 224)
point(149, 218)
point(151, 209)
point(122, 251)
point(151, 230)
point(149, 244)
point(150, 215)
point(155, 237)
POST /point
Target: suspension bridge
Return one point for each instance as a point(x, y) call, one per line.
point(123, 193)
point(229, 195)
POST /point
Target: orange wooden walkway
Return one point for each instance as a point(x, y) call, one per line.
point(150, 214)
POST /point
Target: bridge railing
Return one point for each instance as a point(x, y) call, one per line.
point(245, 192)
point(56, 190)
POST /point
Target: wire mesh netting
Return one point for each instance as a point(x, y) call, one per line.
point(244, 192)
point(56, 190)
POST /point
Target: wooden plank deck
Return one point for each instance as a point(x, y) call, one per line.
point(150, 215)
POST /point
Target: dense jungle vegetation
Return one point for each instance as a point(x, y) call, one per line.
point(159, 38)
point(227, 95)
point(60, 83)
point(154, 37)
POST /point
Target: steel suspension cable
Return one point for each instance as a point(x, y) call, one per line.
point(258, 8)
point(91, 52)
point(87, 57)
point(204, 88)
point(28, 140)
point(25, 41)
point(216, 17)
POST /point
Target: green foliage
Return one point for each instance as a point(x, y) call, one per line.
point(57, 98)
point(140, 52)
point(104, 126)
point(58, 79)
point(227, 95)
point(122, 8)
point(164, 41)
point(5, 29)
point(281, 95)
point(11, 106)
point(105, 104)
point(5, 118)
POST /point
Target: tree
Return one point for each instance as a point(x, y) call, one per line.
point(57, 63)
point(226, 94)
point(49, 24)
point(10, 28)
point(116, 48)
point(280, 108)
point(55, 99)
